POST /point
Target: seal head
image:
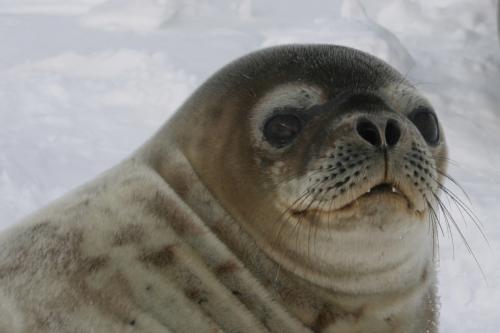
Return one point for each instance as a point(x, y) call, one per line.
point(327, 156)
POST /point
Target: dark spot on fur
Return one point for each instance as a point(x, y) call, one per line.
point(299, 213)
point(56, 252)
point(93, 264)
point(180, 184)
point(328, 316)
point(106, 211)
point(129, 234)
point(161, 258)
point(423, 277)
point(195, 295)
point(167, 210)
point(227, 267)
point(192, 293)
point(132, 322)
point(42, 227)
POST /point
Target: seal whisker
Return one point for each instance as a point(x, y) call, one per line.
point(433, 223)
point(311, 223)
point(436, 217)
point(309, 173)
point(448, 226)
point(462, 208)
point(440, 157)
point(453, 180)
point(299, 224)
point(449, 217)
point(281, 222)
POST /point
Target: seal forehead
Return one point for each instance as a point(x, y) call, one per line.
point(402, 96)
point(329, 66)
point(295, 94)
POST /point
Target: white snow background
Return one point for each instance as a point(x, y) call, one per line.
point(84, 82)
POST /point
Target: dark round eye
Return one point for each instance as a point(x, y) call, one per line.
point(426, 122)
point(281, 129)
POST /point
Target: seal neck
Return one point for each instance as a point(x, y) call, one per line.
point(305, 299)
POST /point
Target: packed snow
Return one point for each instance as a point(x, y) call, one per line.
point(85, 82)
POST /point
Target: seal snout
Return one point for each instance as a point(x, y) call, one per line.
point(371, 155)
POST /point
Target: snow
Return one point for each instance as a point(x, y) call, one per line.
point(134, 15)
point(85, 82)
point(70, 7)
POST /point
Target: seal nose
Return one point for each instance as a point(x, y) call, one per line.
point(392, 133)
point(370, 132)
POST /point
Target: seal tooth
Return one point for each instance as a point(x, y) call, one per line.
point(394, 189)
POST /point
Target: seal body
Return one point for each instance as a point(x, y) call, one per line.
point(292, 192)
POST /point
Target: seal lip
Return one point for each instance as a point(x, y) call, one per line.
point(383, 188)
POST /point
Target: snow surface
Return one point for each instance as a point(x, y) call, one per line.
point(85, 82)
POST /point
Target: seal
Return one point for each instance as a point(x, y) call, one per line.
point(294, 191)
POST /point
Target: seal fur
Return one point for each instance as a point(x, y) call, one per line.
point(203, 229)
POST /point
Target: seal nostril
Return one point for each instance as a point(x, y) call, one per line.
point(392, 133)
point(368, 131)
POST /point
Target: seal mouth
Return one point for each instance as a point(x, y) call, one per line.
point(387, 188)
point(382, 189)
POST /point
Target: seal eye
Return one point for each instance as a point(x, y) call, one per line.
point(426, 122)
point(281, 129)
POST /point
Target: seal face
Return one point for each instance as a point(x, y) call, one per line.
point(332, 165)
point(293, 191)
point(348, 171)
